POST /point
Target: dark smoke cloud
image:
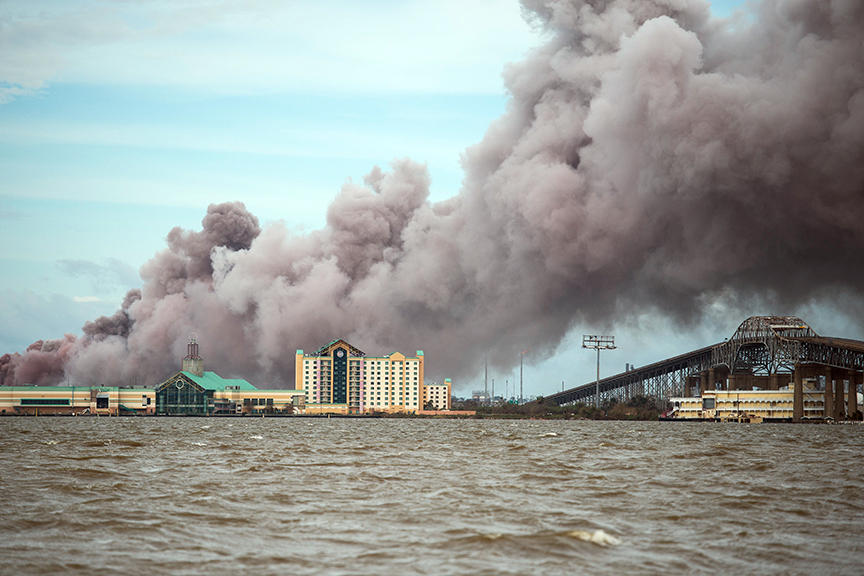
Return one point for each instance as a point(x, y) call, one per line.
point(43, 363)
point(120, 324)
point(651, 158)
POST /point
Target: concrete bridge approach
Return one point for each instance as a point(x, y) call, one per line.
point(766, 352)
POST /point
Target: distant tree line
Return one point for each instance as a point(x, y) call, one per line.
point(636, 408)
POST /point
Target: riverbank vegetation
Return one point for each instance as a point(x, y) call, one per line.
point(636, 408)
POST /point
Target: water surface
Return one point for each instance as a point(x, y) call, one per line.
point(346, 496)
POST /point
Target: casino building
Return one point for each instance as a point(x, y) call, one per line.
point(190, 392)
point(339, 378)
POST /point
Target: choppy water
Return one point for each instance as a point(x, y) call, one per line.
point(312, 496)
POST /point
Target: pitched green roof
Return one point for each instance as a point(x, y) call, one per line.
point(212, 381)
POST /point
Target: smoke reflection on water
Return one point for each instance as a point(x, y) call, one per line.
point(300, 496)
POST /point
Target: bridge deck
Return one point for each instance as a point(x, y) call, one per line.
point(632, 376)
point(777, 350)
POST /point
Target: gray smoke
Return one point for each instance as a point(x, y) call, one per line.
point(651, 158)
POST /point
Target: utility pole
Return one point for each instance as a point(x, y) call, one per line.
point(493, 392)
point(521, 356)
point(598, 343)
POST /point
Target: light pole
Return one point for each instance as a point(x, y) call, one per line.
point(486, 379)
point(598, 343)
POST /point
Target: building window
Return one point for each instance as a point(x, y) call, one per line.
point(46, 402)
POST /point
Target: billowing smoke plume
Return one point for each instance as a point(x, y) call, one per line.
point(651, 157)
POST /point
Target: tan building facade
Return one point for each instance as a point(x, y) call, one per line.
point(340, 379)
point(190, 392)
point(437, 396)
point(74, 400)
point(752, 405)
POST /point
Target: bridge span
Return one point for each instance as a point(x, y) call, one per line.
point(767, 352)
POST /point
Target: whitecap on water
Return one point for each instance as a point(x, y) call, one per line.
point(598, 537)
point(548, 435)
point(198, 444)
point(256, 437)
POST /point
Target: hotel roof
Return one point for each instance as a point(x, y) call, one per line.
point(323, 351)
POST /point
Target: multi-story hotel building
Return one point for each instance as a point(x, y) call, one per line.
point(339, 378)
point(437, 396)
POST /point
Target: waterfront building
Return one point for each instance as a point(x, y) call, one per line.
point(339, 378)
point(182, 394)
point(437, 396)
point(191, 392)
point(753, 405)
point(481, 397)
point(50, 400)
point(209, 393)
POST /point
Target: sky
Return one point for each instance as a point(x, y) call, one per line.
point(120, 120)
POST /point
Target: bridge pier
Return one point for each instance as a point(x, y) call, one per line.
point(828, 406)
point(840, 398)
point(703, 383)
point(852, 402)
point(690, 382)
point(722, 374)
point(798, 394)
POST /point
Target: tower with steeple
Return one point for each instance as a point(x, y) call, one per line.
point(193, 363)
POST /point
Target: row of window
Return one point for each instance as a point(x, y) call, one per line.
point(358, 381)
point(373, 374)
point(258, 401)
point(375, 363)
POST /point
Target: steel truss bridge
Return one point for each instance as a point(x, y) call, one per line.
point(766, 349)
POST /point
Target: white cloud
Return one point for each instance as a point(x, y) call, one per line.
point(37, 40)
point(104, 278)
point(307, 142)
point(85, 299)
point(423, 46)
point(28, 317)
